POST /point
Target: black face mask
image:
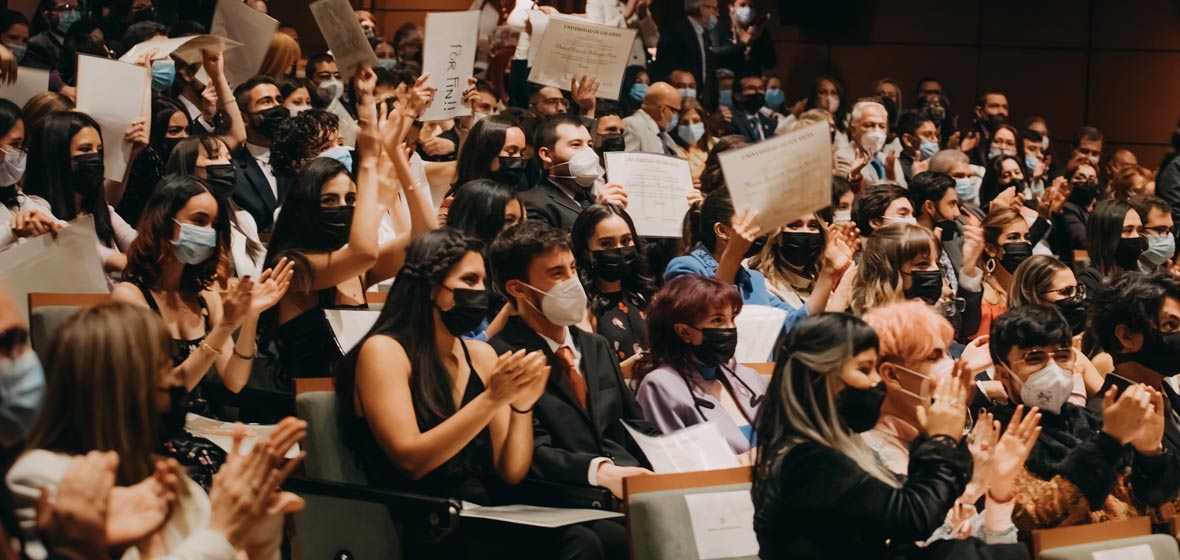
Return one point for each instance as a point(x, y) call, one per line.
point(1083, 194)
point(270, 120)
point(860, 408)
point(511, 169)
point(717, 346)
point(470, 309)
point(221, 177)
point(612, 265)
point(88, 171)
point(1074, 310)
point(756, 246)
point(753, 102)
point(800, 248)
point(1158, 354)
point(1014, 254)
point(611, 144)
point(949, 229)
point(1126, 255)
point(993, 122)
point(166, 146)
point(172, 421)
point(925, 285)
point(335, 225)
point(148, 14)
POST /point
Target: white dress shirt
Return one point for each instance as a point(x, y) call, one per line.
point(592, 475)
point(262, 156)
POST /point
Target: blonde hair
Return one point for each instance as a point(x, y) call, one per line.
point(776, 269)
point(908, 330)
point(878, 279)
point(281, 56)
point(102, 371)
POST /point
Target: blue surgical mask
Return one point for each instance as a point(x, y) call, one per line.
point(691, 133)
point(996, 152)
point(1160, 249)
point(66, 19)
point(726, 98)
point(163, 73)
point(342, 154)
point(18, 51)
point(195, 244)
point(687, 93)
point(775, 97)
point(675, 120)
point(965, 189)
point(638, 91)
point(1031, 161)
point(387, 63)
point(22, 390)
point(928, 148)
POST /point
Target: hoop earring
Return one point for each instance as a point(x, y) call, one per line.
point(990, 266)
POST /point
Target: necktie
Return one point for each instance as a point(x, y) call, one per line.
point(566, 356)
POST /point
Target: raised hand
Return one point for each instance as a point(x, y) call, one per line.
point(969, 142)
point(976, 357)
point(1123, 416)
point(364, 81)
point(244, 490)
point(947, 415)
point(138, 511)
point(421, 96)
point(137, 135)
point(502, 383)
point(584, 90)
point(8, 66)
point(972, 242)
point(1150, 436)
point(1012, 451)
point(214, 64)
point(235, 302)
point(1053, 199)
point(612, 193)
point(837, 256)
point(981, 442)
point(271, 286)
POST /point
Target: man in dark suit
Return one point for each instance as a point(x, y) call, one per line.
point(573, 174)
point(578, 436)
point(689, 44)
point(49, 28)
point(749, 96)
point(256, 189)
point(743, 43)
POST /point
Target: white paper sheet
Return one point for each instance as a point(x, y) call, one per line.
point(573, 47)
point(67, 265)
point(758, 329)
point(29, 82)
point(185, 47)
point(115, 94)
point(539, 21)
point(696, 448)
point(784, 177)
point(222, 433)
point(348, 126)
point(251, 28)
point(723, 524)
point(449, 58)
point(350, 325)
point(1137, 552)
point(337, 21)
point(657, 190)
point(535, 516)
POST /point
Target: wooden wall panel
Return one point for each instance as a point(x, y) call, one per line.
point(1047, 83)
point(862, 65)
point(1136, 24)
point(1135, 96)
point(925, 21)
point(1036, 23)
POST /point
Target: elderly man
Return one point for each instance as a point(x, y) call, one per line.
point(647, 130)
point(861, 160)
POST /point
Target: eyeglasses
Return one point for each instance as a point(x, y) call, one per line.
point(65, 7)
point(673, 109)
point(1039, 358)
point(948, 307)
point(1069, 291)
point(1157, 230)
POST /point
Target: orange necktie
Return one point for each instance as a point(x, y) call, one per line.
point(566, 355)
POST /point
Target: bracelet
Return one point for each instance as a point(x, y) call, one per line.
point(206, 347)
point(519, 411)
point(244, 357)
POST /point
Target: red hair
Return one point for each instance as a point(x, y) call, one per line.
point(686, 300)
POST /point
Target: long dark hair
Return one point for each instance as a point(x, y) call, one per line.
point(639, 286)
point(162, 110)
point(483, 145)
point(1104, 229)
point(686, 300)
point(477, 208)
point(9, 114)
point(294, 230)
point(410, 321)
point(150, 250)
point(991, 187)
point(716, 208)
point(50, 170)
point(183, 159)
point(841, 115)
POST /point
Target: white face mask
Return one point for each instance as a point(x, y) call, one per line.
point(1047, 389)
point(938, 372)
point(842, 216)
point(873, 140)
point(13, 166)
point(831, 103)
point(584, 168)
point(903, 220)
point(564, 304)
point(296, 109)
point(331, 90)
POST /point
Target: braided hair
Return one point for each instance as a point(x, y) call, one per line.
point(408, 317)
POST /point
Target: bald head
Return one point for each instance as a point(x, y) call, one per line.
point(661, 103)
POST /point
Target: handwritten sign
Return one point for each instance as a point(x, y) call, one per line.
point(573, 47)
point(449, 57)
point(782, 178)
point(337, 21)
point(657, 190)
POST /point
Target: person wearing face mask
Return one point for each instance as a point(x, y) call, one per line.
point(494, 150)
point(574, 175)
point(967, 178)
point(258, 189)
point(1069, 224)
point(914, 357)
point(743, 42)
point(52, 20)
point(881, 205)
point(803, 262)
point(991, 111)
point(14, 33)
point(636, 81)
point(918, 135)
point(608, 128)
point(65, 151)
point(22, 380)
point(613, 268)
point(936, 204)
point(749, 98)
point(535, 270)
point(296, 95)
point(1106, 463)
point(324, 78)
point(1087, 144)
point(21, 215)
point(1007, 245)
point(691, 44)
point(651, 128)
point(1116, 243)
point(693, 141)
point(690, 375)
point(813, 466)
point(862, 159)
point(169, 125)
point(1033, 158)
point(1160, 241)
point(472, 449)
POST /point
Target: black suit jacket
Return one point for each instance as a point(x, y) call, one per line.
point(679, 48)
point(44, 51)
point(730, 54)
point(252, 190)
point(548, 203)
point(565, 437)
point(741, 125)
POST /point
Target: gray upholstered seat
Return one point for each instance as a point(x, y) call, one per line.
point(1163, 547)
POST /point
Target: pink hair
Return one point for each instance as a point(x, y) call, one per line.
point(908, 330)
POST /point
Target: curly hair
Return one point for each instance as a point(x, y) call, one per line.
point(302, 138)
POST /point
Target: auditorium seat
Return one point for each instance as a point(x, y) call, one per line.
point(48, 311)
point(1156, 547)
point(660, 526)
